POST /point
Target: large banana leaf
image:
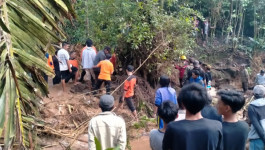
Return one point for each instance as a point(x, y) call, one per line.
point(27, 28)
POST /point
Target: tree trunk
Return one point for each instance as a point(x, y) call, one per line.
point(241, 14)
point(230, 22)
point(87, 21)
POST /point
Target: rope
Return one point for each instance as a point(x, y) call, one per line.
point(139, 66)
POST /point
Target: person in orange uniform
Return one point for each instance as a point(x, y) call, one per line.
point(74, 62)
point(128, 93)
point(106, 70)
point(50, 64)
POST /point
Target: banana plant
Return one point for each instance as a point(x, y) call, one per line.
point(27, 29)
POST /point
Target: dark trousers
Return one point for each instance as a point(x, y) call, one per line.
point(107, 85)
point(82, 76)
point(92, 79)
point(181, 82)
point(245, 86)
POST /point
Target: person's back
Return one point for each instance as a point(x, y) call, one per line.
point(165, 93)
point(99, 57)
point(210, 112)
point(167, 111)
point(107, 127)
point(88, 58)
point(63, 57)
point(106, 69)
point(256, 114)
point(195, 132)
point(202, 134)
point(235, 135)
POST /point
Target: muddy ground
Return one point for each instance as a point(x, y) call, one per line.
point(67, 116)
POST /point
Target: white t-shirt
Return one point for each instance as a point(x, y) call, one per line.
point(63, 57)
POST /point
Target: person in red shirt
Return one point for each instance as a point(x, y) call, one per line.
point(182, 69)
point(128, 93)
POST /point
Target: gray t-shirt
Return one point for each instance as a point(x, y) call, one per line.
point(156, 139)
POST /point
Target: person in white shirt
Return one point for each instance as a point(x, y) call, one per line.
point(88, 58)
point(65, 67)
point(107, 127)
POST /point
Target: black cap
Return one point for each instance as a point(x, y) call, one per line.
point(130, 68)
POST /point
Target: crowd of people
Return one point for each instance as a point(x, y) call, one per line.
point(186, 121)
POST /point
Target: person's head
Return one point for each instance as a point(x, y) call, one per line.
point(195, 74)
point(108, 56)
point(73, 55)
point(196, 64)
point(65, 45)
point(89, 43)
point(193, 97)
point(262, 72)
point(168, 111)
point(107, 50)
point(259, 91)
point(106, 103)
point(230, 101)
point(191, 60)
point(129, 69)
point(164, 81)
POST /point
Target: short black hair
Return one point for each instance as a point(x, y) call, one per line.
point(262, 71)
point(196, 72)
point(232, 98)
point(193, 97)
point(106, 109)
point(130, 68)
point(107, 48)
point(168, 111)
point(89, 43)
point(164, 81)
point(108, 56)
point(65, 43)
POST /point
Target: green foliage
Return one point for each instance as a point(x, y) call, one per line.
point(134, 29)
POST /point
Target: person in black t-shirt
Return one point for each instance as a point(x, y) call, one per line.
point(195, 132)
point(235, 132)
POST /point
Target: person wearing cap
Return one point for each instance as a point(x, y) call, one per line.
point(182, 67)
point(260, 78)
point(244, 77)
point(128, 93)
point(107, 127)
point(101, 55)
point(106, 70)
point(256, 114)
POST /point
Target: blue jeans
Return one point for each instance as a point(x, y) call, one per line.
point(256, 144)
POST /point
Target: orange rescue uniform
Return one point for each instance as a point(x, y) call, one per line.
point(106, 69)
point(129, 85)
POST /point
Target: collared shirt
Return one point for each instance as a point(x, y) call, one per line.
point(88, 58)
point(109, 129)
point(106, 69)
